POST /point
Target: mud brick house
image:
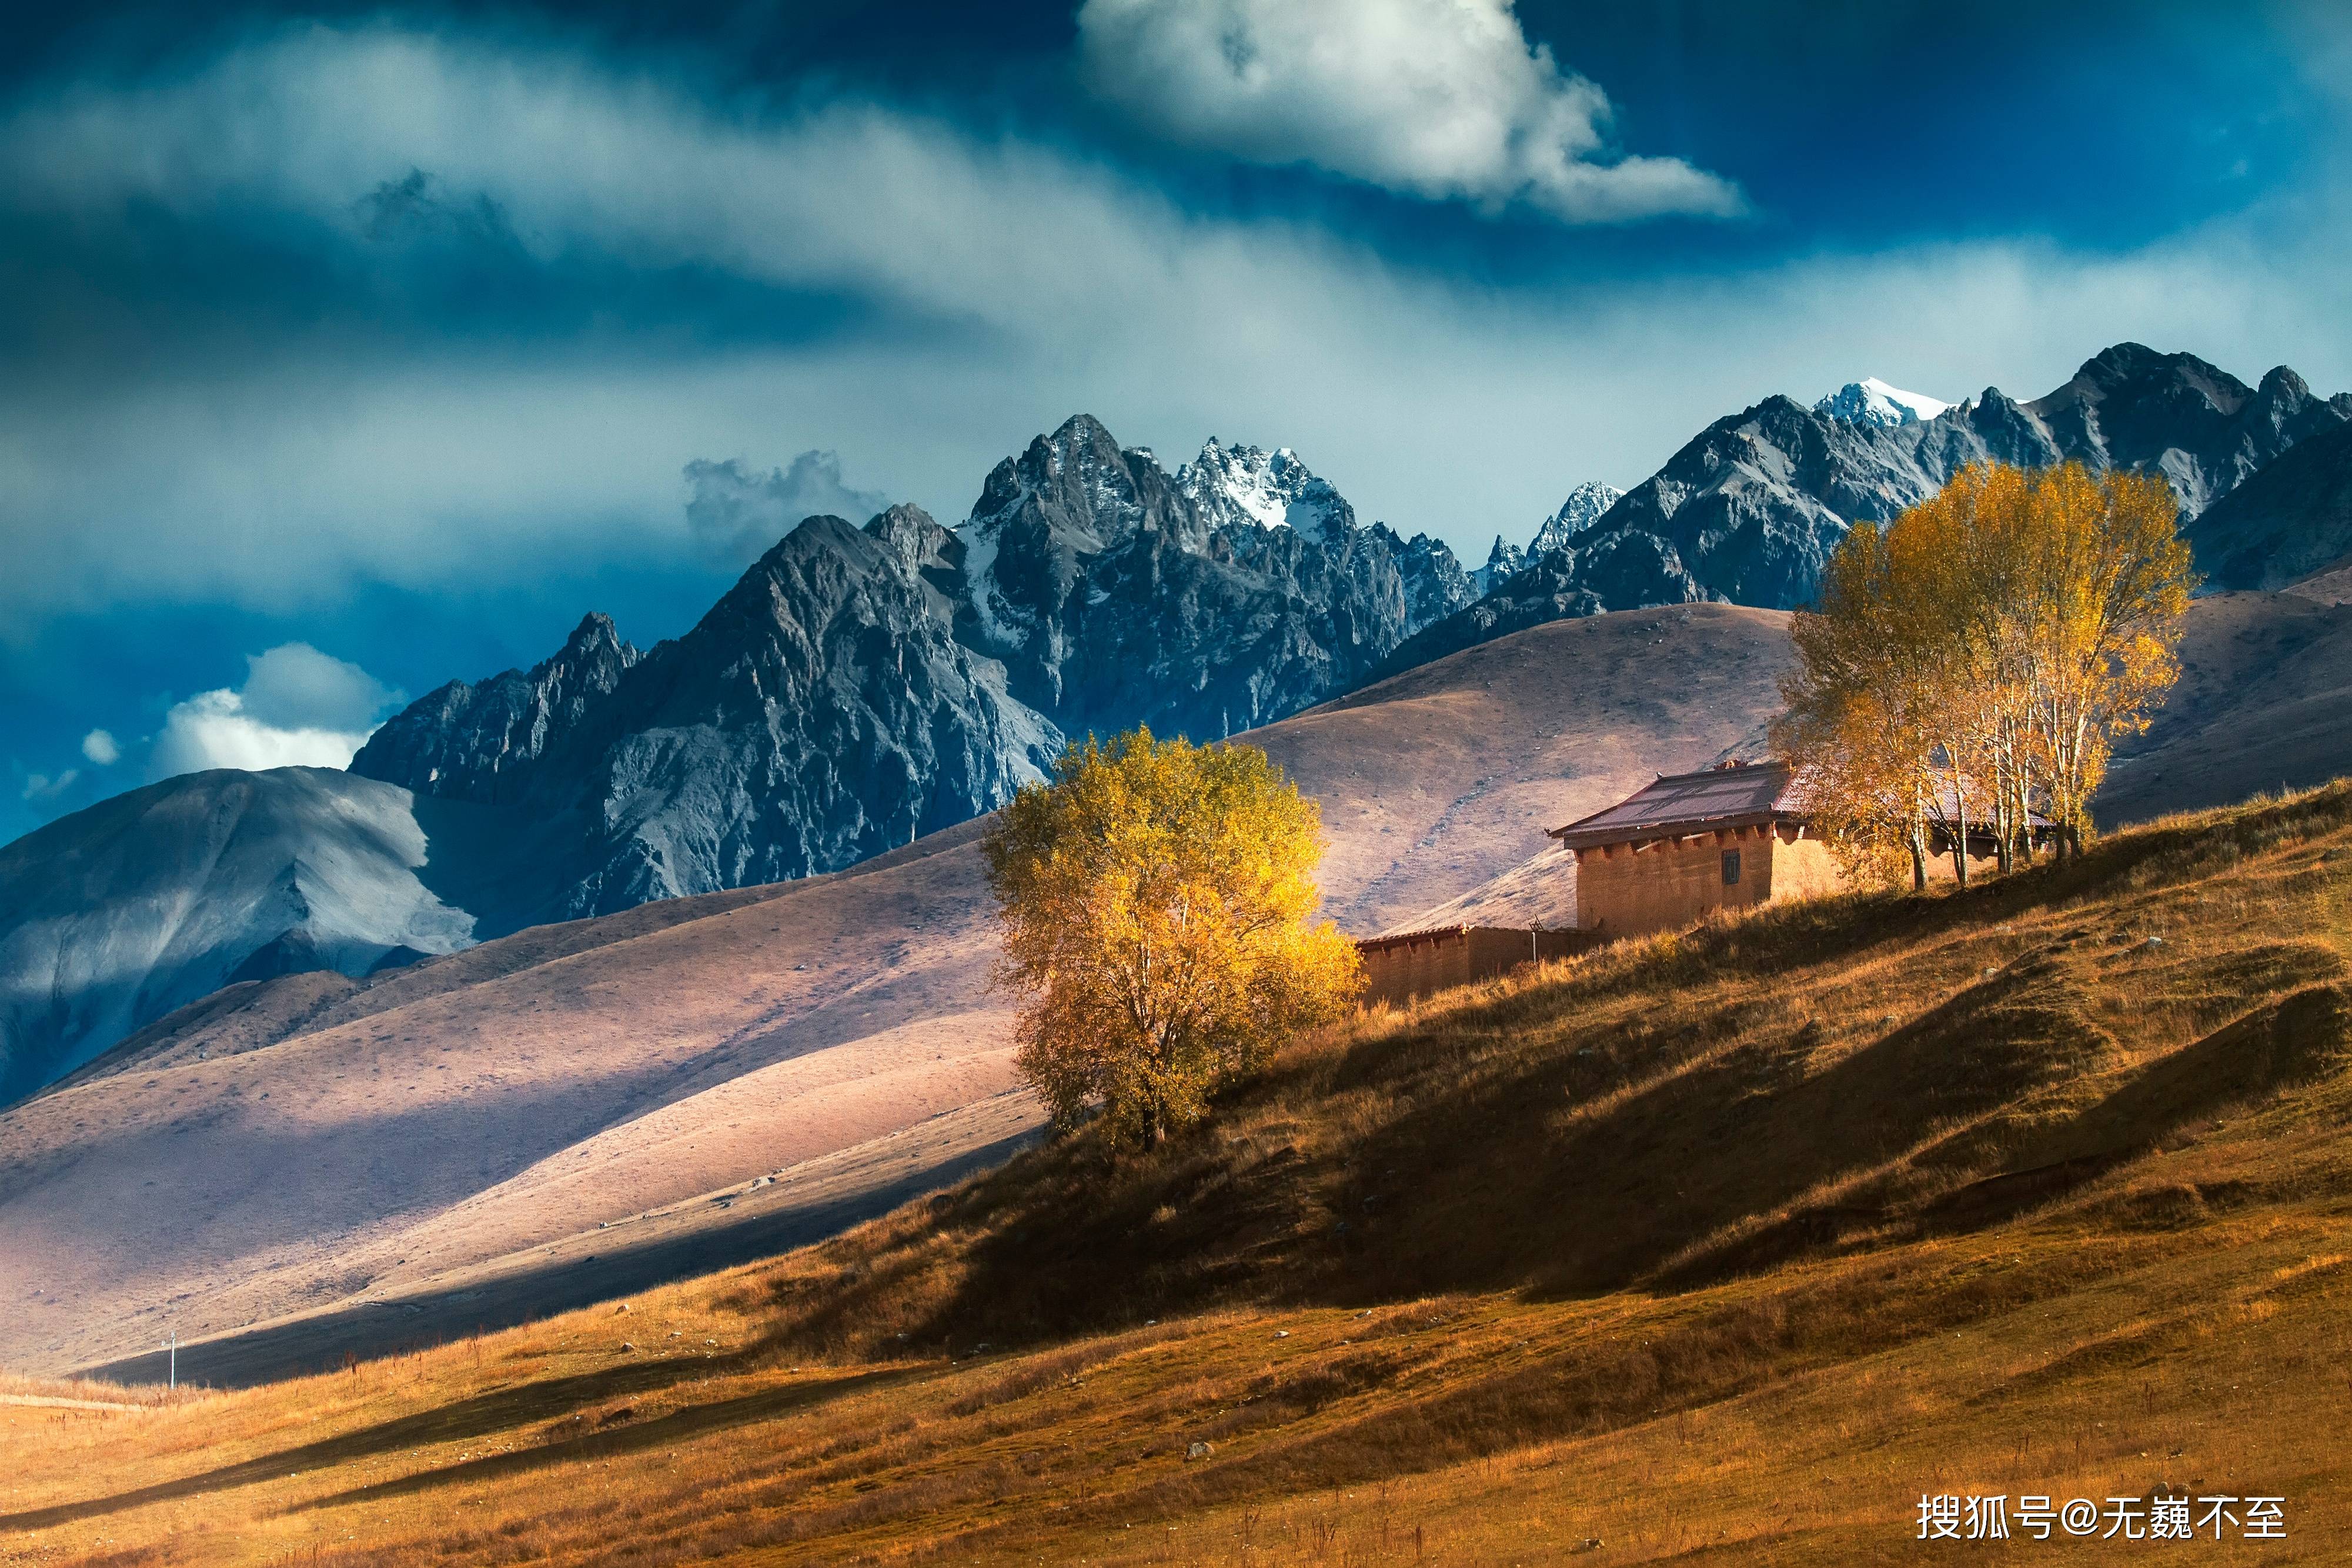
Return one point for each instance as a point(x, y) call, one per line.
point(1411, 964)
point(1689, 843)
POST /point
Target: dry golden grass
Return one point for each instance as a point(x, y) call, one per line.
point(1723, 1245)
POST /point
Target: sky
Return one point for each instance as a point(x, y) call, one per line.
point(348, 350)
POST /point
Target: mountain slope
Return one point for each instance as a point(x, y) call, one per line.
point(498, 1101)
point(2264, 703)
point(2290, 521)
point(124, 911)
point(1749, 509)
point(1983, 1191)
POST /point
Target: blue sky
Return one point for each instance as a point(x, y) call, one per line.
point(344, 351)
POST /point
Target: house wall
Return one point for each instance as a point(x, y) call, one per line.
point(1622, 890)
point(1801, 867)
point(1397, 970)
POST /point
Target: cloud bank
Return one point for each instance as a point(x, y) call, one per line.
point(299, 708)
point(920, 297)
point(1440, 99)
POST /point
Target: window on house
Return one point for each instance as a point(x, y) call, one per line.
point(1731, 868)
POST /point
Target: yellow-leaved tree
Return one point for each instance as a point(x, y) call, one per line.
point(1965, 669)
point(1157, 901)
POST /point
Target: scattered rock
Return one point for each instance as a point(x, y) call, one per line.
point(626, 1345)
point(1197, 1451)
point(619, 1310)
point(1282, 1333)
point(2153, 941)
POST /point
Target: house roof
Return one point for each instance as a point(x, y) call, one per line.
point(1741, 794)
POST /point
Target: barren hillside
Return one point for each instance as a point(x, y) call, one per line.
point(2034, 1188)
point(362, 1156)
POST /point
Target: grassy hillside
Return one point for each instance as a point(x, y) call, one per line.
point(1721, 1247)
point(343, 1157)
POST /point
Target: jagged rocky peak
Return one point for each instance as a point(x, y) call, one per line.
point(1504, 560)
point(2199, 426)
point(1586, 505)
point(823, 711)
point(1082, 482)
point(1232, 484)
point(1872, 401)
point(481, 741)
point(1749, 511)
point(1435, 586)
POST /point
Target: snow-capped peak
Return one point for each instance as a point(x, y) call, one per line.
point(1872, 401)
point(1584, 507)
point(1273, 489)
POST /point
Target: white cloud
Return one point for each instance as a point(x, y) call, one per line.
point(1440, 99)
point(294, 687)
point(298, 708)
point(43, 790)
point(279, 480)
point(739, 513)
point(99, 747)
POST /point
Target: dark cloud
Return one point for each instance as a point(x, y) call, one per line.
point(419, 205)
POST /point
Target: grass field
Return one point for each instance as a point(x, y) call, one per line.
point(1725, 1246)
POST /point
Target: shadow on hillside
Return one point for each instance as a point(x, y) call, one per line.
point(607, 1442)
point(1550, 1138)
point(495, 1412)
point(2165, 1104)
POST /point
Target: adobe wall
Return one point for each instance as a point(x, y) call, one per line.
point(1396, 973)
point(1397, 970)
point(1624, 891)
point(1801, 867)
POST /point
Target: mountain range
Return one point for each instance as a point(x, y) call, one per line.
point(861, 687)
point(1749, 509)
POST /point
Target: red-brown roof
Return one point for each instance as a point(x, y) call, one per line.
point(1742, 795)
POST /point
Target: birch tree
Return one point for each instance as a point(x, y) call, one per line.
point(1975, 661)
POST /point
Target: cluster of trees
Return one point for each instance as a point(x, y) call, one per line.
point(1967, 668)
point(1157, 901)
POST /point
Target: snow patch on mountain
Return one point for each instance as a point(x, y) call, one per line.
point(1872, 401)
point(1273, 489)
point(1585, 505)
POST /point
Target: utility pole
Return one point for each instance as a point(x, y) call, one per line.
point(172, 1376)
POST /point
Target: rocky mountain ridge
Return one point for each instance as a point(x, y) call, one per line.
point(863, 684)
point(1749, 511)
point(859, 687)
